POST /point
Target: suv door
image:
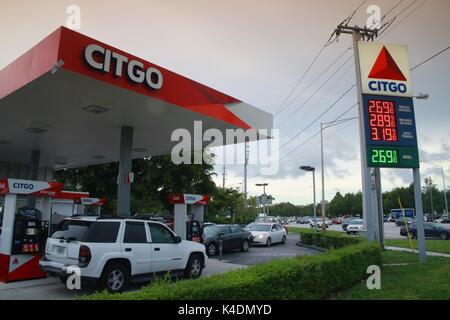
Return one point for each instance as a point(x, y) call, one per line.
point(136, 247)
point(167, 254)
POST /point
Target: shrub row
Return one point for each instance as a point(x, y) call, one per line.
point(308, 277)
point(327, 239)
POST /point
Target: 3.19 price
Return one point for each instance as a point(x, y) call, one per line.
point(382, 156)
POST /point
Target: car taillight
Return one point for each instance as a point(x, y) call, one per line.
point(84, 255)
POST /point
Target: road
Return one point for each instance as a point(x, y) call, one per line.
point(52, 289)
point(390, 230)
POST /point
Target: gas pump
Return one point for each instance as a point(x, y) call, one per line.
point(24, 230)
point(188, 215)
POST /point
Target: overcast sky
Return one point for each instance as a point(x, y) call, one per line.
point(256, 50)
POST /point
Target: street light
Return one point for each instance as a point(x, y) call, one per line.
point(313, 170)
point(264, 185)
point(422, 96)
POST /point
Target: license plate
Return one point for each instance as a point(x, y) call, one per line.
point(59, 250)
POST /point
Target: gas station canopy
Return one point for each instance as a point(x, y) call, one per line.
point(70, 95)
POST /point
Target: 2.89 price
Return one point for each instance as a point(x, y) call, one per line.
point(382, 156)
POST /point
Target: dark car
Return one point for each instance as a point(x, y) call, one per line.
point(233, 238)
point(432, 230)
point(401, 221)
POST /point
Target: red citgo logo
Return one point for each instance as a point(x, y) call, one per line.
point(386, 68)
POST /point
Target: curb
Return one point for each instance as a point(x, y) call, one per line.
point(311, 247)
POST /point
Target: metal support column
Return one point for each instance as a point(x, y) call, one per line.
point(33, 174)
point(419, 215)
point(123, 181)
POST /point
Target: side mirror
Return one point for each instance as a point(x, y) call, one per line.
point(178, 239)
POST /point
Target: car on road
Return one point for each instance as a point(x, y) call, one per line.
point(401, 221)
point(347, 221)
point(112, 252)
point(443, 221)
point(355, 226)
point(233, 238)
point(268, 233)
point(318, 223)
point(336, 221)
point(432, 230)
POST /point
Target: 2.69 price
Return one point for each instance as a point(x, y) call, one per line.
point(384, 156)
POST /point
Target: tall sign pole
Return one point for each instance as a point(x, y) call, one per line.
point(365, 170)
point(387, 124)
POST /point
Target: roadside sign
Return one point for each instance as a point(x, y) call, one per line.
point(385, 69)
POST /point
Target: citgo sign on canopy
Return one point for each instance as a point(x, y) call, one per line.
point(385, 69)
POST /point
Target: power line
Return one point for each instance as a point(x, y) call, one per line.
point(315, 92)
point(321, 115)
point(430, 58)
point(316, 79)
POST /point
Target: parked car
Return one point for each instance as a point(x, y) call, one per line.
point(318, 223)
point(401, 222)
point(432, 230)
point(233, 237)
point(443, 221)
point(302, 221)
point(112, 252)
point(347, 221)
point(336, 221)
point(268, 233)
point(355, 226)
point(385, 219)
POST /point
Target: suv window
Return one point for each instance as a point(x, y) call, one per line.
point(160, 234)
point(279, 228)
point(135, 233)
point(102, 232)
point(225, 230)
point(74, 230)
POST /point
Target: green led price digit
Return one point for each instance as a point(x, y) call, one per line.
point(384, 156)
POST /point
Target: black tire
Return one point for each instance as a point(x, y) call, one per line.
point(115, 277)
point(268, 242)
point(194, 267)
point(444, 236)
point(245, 245)
point(212, 249)
point(283, 241)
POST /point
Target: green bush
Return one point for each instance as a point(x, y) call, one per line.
point(308, 277)
point(327, 240)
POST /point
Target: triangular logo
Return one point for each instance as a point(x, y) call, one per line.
point(386, 68)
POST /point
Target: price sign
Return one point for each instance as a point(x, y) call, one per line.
point(390, 135)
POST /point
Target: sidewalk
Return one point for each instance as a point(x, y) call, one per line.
point(429, 253)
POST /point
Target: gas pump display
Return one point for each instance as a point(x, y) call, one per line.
point(30, 232)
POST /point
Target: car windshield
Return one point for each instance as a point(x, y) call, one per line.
point(260, 227)
point(356, 222)
point(73, 230)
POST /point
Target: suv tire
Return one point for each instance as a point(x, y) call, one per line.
point(114, 278)
point(444, 236)
point(268, 242)
point(194, 267)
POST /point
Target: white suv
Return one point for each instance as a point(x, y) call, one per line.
point(114, 251)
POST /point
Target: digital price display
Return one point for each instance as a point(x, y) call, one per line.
point(390, 134)
point(382, 121)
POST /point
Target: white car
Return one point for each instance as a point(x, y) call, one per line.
point(355, 227)
point(268, 233)
point(113, 252)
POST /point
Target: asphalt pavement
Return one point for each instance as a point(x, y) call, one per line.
point(52, 289)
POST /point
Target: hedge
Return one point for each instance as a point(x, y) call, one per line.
point(327, 239)
point(307, 277)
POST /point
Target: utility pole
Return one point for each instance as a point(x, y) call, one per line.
point(445, 191)
point(224, 177)
point(245, 172)
point(323, 178)
point(264, 197)
point(366, 172)
point(429, 184)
